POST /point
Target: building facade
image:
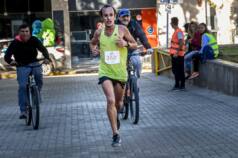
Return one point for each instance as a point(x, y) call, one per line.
point(78, 19)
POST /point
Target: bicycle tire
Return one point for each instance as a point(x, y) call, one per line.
point(28, 108)
point(35, 107)
point(28, 115)
point(134, 100)
point(125, 109)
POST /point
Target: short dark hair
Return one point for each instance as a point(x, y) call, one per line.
point(174, 21)
point(186, 26)
point(107, 6)
point(23, 26)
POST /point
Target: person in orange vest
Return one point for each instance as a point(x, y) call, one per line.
point(177, 50)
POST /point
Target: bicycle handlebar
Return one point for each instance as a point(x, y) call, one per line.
point(134, 53)
point(38, 60)
point(140, 53)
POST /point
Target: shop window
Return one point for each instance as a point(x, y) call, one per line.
point(17, 6)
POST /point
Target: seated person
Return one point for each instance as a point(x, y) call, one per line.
point(209, 48)
point(194, 45)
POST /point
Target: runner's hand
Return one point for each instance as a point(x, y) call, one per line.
point(120, 42)
point(95, 52)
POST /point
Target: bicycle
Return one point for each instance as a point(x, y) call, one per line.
point(34, 100)
point(131, 99)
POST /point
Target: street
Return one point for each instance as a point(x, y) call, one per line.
point(196, 123)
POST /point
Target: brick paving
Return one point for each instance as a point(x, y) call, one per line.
point(197, 123)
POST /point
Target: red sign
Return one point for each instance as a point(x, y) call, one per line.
point(149, 25)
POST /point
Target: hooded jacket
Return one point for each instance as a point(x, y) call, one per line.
point(25, 53)
point(137, 32)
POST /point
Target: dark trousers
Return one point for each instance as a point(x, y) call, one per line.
point(178, 71)
point(196, 61)
point(207, 54)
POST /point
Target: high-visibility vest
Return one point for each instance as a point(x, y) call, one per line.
point(174, 48)
point(213, 44)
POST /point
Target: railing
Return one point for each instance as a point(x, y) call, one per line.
point(162, 60)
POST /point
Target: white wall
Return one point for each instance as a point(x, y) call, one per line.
point(224, 34)
point(188, 11)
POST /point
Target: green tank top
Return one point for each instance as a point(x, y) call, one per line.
point(113, 59)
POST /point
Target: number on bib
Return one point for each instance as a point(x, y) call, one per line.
point(112, 57)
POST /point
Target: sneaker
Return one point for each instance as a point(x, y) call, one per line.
point(116, 140)
point(187, 75)
point(194, 75)
point(22, 115)
point(182, 89)
point(175, 89)
point(118, 122)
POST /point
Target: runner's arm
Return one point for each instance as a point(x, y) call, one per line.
point(131, 43)
point(94, 42)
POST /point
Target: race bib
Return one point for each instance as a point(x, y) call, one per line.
point(112, 57)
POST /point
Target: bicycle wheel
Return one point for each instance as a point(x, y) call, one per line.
point(126, 103)
point(28, 115)
point(134, 100)
point(28, 109)
point(35, 106)
point(125, 109)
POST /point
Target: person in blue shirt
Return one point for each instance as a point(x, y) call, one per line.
point(209, 47)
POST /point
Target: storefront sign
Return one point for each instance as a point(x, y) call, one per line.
point(149, 24)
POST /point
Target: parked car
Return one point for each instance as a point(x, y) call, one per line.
point(56, 53)
point(4, 43)
point(57, 57)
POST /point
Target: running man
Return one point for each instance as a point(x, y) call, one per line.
point(113, 40)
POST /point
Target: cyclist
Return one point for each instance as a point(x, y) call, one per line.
point(124, 18)
point(24, 50)
point(113, 40)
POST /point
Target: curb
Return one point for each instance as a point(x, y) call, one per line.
point(7, 76)
point(12, 75)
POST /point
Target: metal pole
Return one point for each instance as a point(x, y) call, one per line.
point(167, 32)
point(206, 11)
point(167, 27)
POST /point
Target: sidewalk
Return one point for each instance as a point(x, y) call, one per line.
point(73, 71)
point(197, 123)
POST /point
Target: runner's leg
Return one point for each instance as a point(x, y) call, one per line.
point(111, 108)
point(119, 93)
